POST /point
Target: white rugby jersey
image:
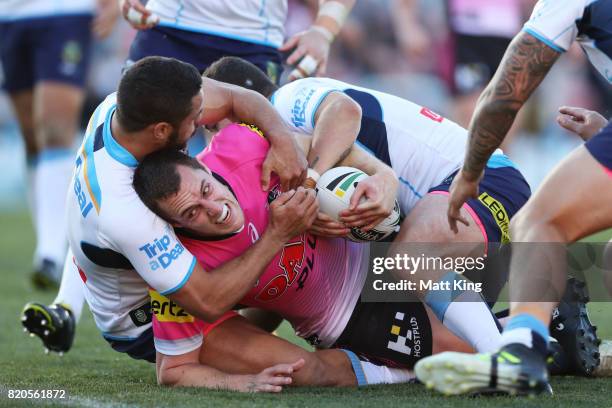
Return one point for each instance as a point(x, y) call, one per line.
point(558, 23)
point(120, 247)
point(255, 21)
point(422, 147)
point(19, 9)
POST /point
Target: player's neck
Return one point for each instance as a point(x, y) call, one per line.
point(134, 142)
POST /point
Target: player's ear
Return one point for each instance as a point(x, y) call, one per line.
point(162, 131)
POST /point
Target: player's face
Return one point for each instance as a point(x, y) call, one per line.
point(203, 205)
point(178, 138)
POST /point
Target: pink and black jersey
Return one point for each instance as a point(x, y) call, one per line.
point(312, 282)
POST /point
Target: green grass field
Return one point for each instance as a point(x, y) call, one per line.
point(93, 375)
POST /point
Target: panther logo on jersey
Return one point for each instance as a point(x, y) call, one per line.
point(295, 267)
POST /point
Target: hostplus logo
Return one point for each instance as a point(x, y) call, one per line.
point(412, 335)
point(161, 252)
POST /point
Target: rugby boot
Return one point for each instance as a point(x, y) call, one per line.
point(514, 370)
point(54, 325)
point(574, 331)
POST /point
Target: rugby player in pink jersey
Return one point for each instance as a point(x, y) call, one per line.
point(315, 283)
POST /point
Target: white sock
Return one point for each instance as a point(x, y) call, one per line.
point(52, 177)
point(474, 323)
point(368, 373)
point(464, 312)
point(71, 288)
point(385, 375)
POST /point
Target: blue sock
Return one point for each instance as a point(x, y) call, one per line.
point(357, 368)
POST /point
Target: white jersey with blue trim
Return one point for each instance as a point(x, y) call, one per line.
point(422, 147)
point(120, 247)
point(558, 23)
point(21, 9)
point(255, 21)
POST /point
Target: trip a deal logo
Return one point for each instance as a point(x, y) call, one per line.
point(162, 252)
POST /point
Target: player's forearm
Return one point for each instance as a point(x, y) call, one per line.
point(253, 108)
point(525, 64)
point(198, 375)
point(337, 125)
point(366, 162)
point(223, 287)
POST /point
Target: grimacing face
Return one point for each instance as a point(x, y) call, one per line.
point(203, 205)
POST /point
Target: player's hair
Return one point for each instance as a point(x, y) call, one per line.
point(236, 71)
point(157, 178)
point(156, 89)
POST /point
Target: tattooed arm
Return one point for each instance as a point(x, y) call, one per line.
point(525, 64)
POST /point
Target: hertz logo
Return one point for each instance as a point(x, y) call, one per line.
point(166, 310)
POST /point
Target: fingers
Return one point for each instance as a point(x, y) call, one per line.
point(454, 215)
point(138, 16)
point(268, 388)
point(296, 55)
point(358, 194)
point(362, 223)
point(266, 173)
point(298, 364)
point(290, 43)
point(570, 123)
point(296, 180)
point(325, 226)
point(284, 198)
point(579, 113)
point(322, 69)
point(282, 370)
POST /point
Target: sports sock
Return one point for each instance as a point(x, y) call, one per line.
point(465, 313)
point(70, 292)
point(369, 374)
point(52, 176)
point(527, 330)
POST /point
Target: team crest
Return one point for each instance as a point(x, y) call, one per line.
point(72, 54)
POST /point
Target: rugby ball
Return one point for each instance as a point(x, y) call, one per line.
point(334, 190)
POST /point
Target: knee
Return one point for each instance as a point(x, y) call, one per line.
point(54, 134)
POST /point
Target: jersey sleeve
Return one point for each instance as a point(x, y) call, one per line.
point(554, 22)
point(298, 101)
point(151, 246)
point(175, 331)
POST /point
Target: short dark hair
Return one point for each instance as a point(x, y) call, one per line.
point(157, 178)
point(236, 71)
point(156, 89)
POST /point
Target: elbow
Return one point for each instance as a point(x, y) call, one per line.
point(349, 108)
point(212, 311)
point(167, 378)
